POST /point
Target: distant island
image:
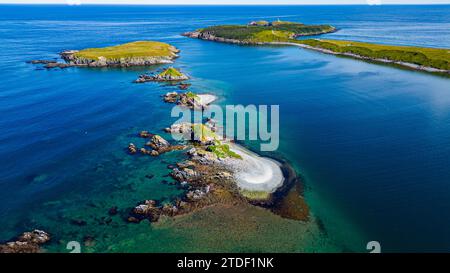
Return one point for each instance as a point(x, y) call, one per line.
point(139, 53)
point(260, 32)
point(434, 60)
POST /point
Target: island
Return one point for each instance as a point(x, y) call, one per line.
point(219, 171)
point(139, 53)
point(260, 32)
point(168, 74)
point(435, 60)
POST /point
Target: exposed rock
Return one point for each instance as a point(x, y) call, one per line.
point(158, 143)
point(171, 97)
point(184, 86)
point(224, 175)
point(169, 210)
point(28, 242)
point(197, 194)
point(184, 174)
point(185, 164)
point(148, 210)
point(145, 151)
point(132, 219)
point(132, 148)
point(202, 156)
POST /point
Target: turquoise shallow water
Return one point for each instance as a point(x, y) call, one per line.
point(371, 141)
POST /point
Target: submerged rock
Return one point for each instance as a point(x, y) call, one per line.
point(113, 211)
point(41, 61)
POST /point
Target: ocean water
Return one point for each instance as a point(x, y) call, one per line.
point(372, 142)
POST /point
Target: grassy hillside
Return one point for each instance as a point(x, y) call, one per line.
point(129, 50)
point(171, 72)
point(430, 57)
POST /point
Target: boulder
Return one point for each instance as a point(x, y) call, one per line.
point(158, 142)
point(132, 148)
point(171, 97)
point(184, 174)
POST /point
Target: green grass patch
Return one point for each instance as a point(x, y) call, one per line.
point(172, 72)
point(272, 36)
point(430, 57)
point(278, 23)
point(223, 150)
point(130, 50)
point(192, 95)
point(203, 133)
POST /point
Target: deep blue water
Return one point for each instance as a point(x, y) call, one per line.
point(372, 141)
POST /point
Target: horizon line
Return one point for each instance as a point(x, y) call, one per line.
point(223, 4)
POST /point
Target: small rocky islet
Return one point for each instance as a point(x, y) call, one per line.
point(170, 74)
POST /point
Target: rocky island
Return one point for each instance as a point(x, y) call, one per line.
point(168, 75)
point(139, 53)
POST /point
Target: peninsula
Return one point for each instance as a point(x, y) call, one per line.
point(435, 60)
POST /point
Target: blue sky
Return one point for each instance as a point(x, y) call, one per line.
point(228, 2)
